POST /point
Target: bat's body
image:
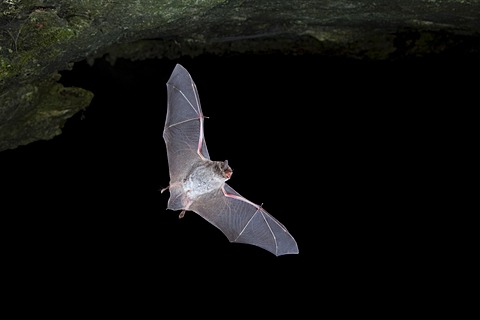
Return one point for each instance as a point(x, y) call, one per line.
point(198, 183)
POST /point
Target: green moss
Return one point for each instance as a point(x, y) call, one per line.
point(46, 107)
point(5, 67)
point(11, 7)
point(32, 43)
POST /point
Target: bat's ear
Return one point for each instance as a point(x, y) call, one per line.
point(225, 165)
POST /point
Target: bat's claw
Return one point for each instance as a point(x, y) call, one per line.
point(181, 215)
point(164, 189)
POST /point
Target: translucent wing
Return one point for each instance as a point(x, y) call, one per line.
point(183, 132)
point(243, 221)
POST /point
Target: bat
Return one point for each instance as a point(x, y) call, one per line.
point(198, 184)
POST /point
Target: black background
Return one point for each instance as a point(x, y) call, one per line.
point(326, 144)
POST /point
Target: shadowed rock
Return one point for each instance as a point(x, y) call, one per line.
point(40, 38)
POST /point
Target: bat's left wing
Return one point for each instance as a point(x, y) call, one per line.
point(183, 132)
point(243, 221)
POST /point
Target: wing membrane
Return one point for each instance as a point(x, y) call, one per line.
point(245, 222)
point(183, 131)
point(239, 219)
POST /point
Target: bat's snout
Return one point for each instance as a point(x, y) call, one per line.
point(227, 171)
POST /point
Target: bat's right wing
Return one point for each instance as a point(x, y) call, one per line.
point(243, 221)
point(183, 132)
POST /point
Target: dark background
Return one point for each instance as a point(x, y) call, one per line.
point(326, 144)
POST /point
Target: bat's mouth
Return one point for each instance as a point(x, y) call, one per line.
point(227, 171)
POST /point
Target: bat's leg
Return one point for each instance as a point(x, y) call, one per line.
point(182, 214)
point(185, 198)
point(169, 186)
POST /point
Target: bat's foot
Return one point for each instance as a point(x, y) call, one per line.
point(181, 215)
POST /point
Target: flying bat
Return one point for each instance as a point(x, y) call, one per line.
point(198, 184)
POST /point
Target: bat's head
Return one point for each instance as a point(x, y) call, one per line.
point(226, 170)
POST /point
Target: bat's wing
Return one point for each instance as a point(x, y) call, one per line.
point(183, 132)
point(245, 222)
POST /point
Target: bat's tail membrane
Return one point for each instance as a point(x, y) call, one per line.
point(176, 200)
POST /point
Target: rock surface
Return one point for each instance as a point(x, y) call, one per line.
point(39, 38)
